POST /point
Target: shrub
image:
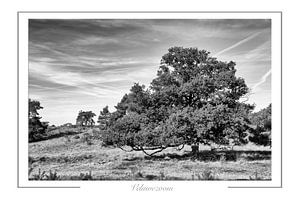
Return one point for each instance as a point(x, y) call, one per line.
point(67, 139)
point(108, 137)
point(39, 176)
point(261, 133)
point(87, 138)
point(76, 137)
point(260, 138)
point(206, 175)
point(255, 177)
point(150, 177)
point(162, 175)
point(86, 176)
point(139, 174)
point(30, 160)
point(52, 176)
point(96, 134)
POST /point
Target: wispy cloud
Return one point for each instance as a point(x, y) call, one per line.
point(262, 80)
point(237, 44)
point(87, 64)
point(260, 53)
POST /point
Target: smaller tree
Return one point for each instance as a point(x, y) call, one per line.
point(85, 118)
point(104, 118)
point(34, 106)
point(262, 121)
point(80, 119)
point(262, 118)
point(36, 128)
point(89, 116)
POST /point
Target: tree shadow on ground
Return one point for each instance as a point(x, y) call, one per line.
point(57, 135)
point(207, 155)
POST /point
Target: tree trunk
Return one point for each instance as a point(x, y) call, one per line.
point(195, 148)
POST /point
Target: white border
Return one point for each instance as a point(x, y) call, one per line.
point(178, 185)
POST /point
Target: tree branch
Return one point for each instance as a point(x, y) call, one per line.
point(125, 149)
point(151, 154)
point(179, 149)
point(145, 149)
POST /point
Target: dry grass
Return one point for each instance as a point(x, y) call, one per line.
point(71, 156)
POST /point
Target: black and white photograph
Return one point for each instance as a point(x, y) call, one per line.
point(149, 99)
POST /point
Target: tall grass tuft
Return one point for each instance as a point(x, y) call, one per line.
point(86, 176)
point(255, 177)
point(206, 175)
point(44, 176)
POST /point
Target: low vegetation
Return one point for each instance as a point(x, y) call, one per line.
point(76, 160)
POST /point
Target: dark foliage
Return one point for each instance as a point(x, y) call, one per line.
point(37, 128)
point(261, 133)
point(103, 118)
point(85, 118)
point(194, 99)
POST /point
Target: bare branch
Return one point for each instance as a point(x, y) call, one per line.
point(158, 148)
point(125, 149)
point(179, 149)
point(151, 154)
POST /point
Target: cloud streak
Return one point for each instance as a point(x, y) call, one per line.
point(262, 80)
point(237, 44)
point(91, 63)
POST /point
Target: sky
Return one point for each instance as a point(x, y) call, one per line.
point(87, 64)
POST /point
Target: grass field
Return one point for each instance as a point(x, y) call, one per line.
point(72, 158)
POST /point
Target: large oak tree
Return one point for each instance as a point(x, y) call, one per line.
point(194, 99)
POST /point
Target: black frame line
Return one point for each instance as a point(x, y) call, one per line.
point(18, 82)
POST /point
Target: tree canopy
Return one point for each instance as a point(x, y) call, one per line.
point(36, 128)
point(33, 107)
point(85, 118)
point(262, 121)
point(194, 99)
point(104, 117)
